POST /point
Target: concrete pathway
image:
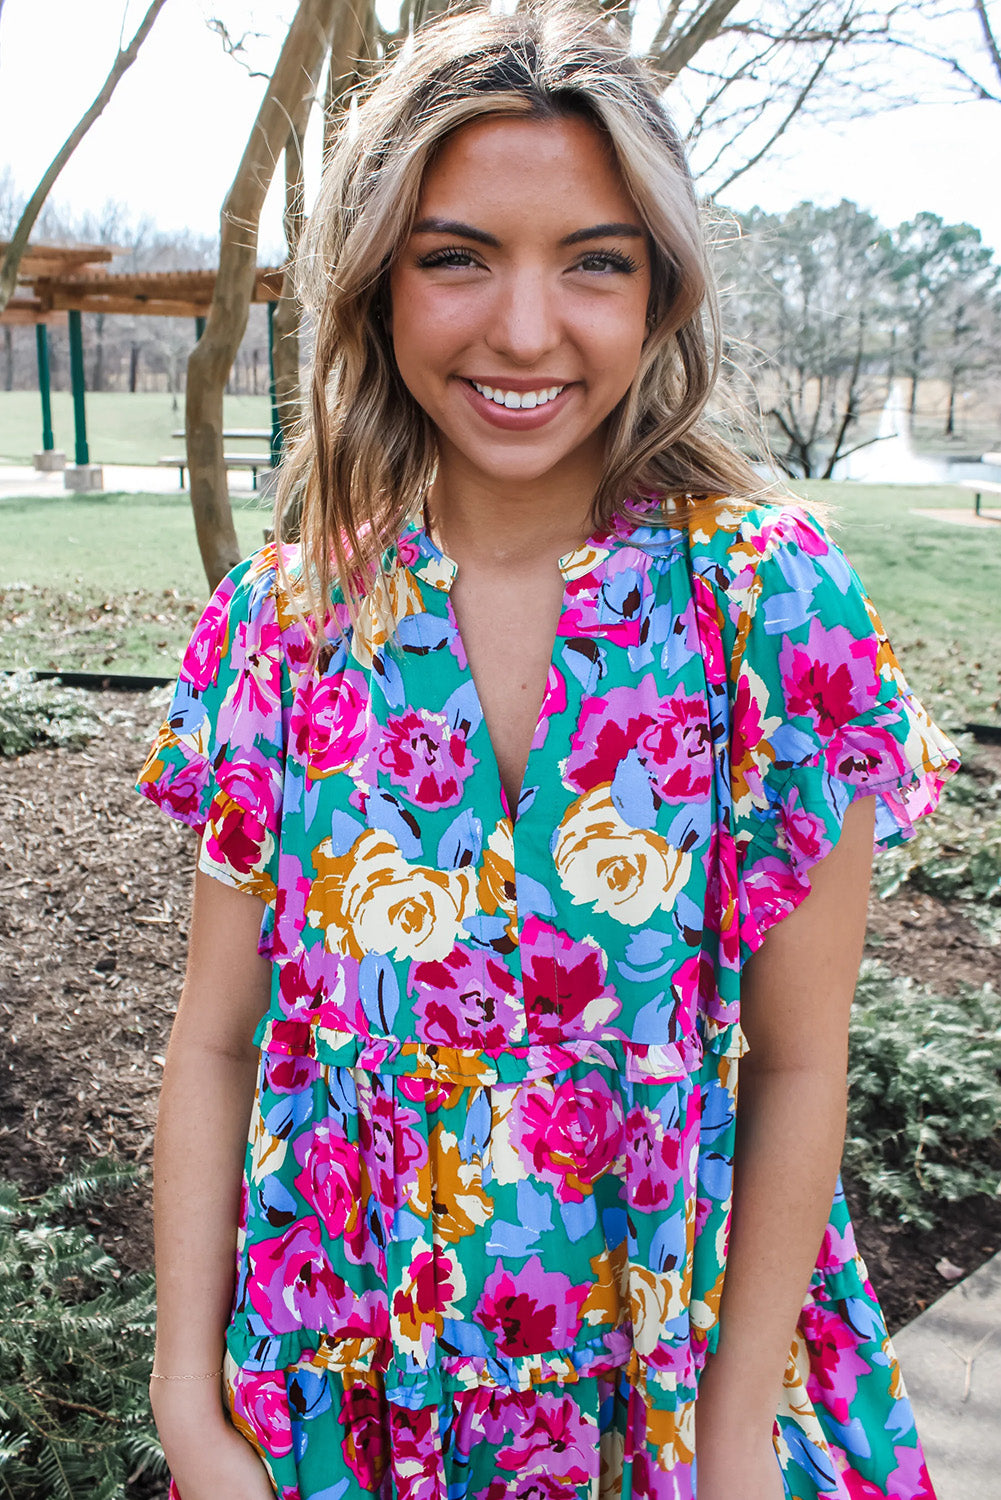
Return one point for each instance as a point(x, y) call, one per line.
point(22, 479)
point(951, 1361)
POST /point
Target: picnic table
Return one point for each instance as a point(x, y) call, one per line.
point(251, 461)
point(983, 487)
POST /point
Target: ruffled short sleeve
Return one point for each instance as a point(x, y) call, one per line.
point(820, 712)
point(217, 763)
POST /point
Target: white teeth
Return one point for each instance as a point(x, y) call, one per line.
point(518, 400)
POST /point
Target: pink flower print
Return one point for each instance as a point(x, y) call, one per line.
point(566, 991)
point(365, 1445)
point(862, 753)
point(292, 1284)
point(569, 1134)
point(421, 753)
point(528, 1487)
point(530, 1311)
point(416, 1452)
point(254, 700)
point(329, 723)
point(608, 728)
point(392, 1151)
point(835, 1363)
point(180, 791)
point(721, 898)
point(557, 1441)
point(322, 987)
point(468, 999)
point(831, 678)
point(330, 1180)
point(910, 1477)
point(837, 1249)
point(805, 834)
point(289, 1075)
point(232, 839)
point(653, 1160)
point(209, 640)
point(856, 1487)
point(261, 1401)
point(677, 748)
point(692, 983)
point(290, 906)
point(253, 782)
point(554, 702)
point(432, 1283)
point(750, 752)
point(709, 623)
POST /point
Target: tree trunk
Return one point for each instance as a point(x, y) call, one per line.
point(133, 368)
point(351, 52)
point(950, 419)
point(8, 350)
point(286, 104)
point(19, 240)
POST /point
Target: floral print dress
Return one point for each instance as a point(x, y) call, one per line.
point(488, 1180)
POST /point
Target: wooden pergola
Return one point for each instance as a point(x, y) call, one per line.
point(59, 283)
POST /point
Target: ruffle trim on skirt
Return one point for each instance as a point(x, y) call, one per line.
point(637, 1062)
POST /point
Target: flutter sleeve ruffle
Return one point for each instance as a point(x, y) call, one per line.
point(217, 763)
point(821, 715)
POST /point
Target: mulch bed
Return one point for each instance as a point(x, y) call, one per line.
point(93, 930)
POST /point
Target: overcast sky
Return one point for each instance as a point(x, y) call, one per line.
point(168, 144)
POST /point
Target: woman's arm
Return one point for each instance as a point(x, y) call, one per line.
point(796, 997)
point(205, 1104)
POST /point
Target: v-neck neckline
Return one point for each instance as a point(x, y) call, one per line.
point(435, 568)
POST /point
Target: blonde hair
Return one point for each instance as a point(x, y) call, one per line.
point(367, 453)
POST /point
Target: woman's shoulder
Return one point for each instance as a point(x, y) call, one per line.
point(739, 537)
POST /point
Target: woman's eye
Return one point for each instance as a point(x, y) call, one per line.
point(451, 255)
point(607, 260)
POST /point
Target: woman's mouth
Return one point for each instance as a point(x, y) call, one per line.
point(517, 411)
point(518, 400)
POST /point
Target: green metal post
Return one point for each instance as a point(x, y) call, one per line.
point(199, 327)
point(82, 452)
point(276, 426)
point(44, 386)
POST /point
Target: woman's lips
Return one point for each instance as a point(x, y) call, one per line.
point(515, 419)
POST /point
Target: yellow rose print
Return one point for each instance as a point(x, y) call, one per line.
point(371, 900)
point(627, 873)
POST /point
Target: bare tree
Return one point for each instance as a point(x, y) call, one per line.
point(285, 107)
point(19, 240)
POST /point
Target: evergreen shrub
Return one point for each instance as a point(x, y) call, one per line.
point(76, 1348)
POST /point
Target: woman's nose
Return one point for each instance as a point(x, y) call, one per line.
point(524, 318)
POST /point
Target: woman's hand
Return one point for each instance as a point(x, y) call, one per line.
point(734, 1453)
point(727, 1470)
point(207, 1457)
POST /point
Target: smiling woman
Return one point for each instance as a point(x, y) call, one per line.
point(538, 782)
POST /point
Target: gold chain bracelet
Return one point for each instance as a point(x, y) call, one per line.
point(212, 1376)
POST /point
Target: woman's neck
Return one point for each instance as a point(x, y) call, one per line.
point(500, 525)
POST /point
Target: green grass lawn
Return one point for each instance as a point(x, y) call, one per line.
point(114, 582)
point(121, 429)
point(105, 582)
point(936, 585)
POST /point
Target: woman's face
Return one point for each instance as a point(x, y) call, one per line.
point(519, 302)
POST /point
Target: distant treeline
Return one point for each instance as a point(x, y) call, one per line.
point(823, 309)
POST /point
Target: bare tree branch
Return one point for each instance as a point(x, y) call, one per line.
point(791, 113)
point(22, 234)
point(671, 56)
point(990, 41)
point(234, 46)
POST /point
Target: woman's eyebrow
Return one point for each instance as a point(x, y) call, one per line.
point(469, 232)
